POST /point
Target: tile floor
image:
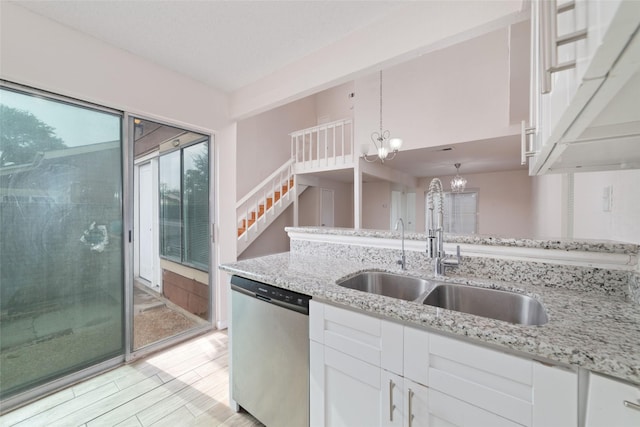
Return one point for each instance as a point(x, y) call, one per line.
point(187, 385)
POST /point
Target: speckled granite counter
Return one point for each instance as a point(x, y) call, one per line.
point(596, 332)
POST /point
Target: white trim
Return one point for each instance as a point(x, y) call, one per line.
point(222, 324)
point(147, 157)
point(605, 260)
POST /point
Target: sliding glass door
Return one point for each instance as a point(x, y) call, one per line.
point(171, 286)
point(61, 239)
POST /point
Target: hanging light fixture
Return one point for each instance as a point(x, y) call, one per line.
point(386, 147)
point(458, 183)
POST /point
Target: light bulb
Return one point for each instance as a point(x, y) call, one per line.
point(395, 144)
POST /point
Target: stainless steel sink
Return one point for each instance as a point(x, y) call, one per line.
point(492, 303)
point(390, 285)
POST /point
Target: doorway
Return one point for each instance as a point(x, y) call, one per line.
point(171, 289)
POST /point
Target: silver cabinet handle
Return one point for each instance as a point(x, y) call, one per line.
point(410, 408)
point(550, 40)
point(631, 405)
point(525, 152)
point(391, 405)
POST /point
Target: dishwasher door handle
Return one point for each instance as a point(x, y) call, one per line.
point(263, 298)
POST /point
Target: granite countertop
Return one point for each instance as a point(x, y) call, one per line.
point(590, 330)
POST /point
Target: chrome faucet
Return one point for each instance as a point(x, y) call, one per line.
point(402, 261)
point(435, 241)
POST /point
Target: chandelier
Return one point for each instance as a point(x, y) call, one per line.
point(458, 183)
point(386, 147)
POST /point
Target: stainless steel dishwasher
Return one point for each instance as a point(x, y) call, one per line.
point(270, 352)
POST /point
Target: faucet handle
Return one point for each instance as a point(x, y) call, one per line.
point(453, 262)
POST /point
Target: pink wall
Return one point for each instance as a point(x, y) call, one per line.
point(504, 202)
point(457, 94)
point(376, 205)
point(273, 239)
point(264, 143)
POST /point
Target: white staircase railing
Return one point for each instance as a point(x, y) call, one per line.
point(323, 146)
point(258, 209)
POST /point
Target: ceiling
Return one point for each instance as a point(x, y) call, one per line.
point(224, 44)
point(230, 44)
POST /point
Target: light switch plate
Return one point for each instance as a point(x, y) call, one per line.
point(607, 194)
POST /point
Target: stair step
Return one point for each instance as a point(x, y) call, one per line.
point(269, 202)
point(260, 210)
point(276, 196)
point(241, 231)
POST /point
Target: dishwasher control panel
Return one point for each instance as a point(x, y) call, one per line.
point(273, 294)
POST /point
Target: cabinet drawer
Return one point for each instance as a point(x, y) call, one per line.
point(372, 340)
point(480, 358)
point(500, 383)
point(605, 405)
point(447, 410)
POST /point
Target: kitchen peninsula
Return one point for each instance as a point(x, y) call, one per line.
point(589, 290)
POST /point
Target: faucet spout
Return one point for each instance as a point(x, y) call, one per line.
point(402, 261)
point(435, 221)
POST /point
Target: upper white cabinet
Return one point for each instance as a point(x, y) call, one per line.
point(585, 86)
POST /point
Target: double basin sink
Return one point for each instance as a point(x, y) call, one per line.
point(492, 303)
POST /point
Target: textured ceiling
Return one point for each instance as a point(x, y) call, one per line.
point(225, 44)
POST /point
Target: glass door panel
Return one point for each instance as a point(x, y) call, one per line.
point(171, 293)
point(61, 239)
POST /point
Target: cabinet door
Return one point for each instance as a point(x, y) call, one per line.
point(417, 406)
point(606, 403)
point(344, 391)
point(392, 395)
point(555, 396)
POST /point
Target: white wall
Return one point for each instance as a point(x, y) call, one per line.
point(622, 222)
point(457, 94)
point(38, 52)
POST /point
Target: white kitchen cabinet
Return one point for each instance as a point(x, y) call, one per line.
point(417, 405)
point(606, 403)
point(393, 398)
point(582, 114)
point(348, 385)
point(435, 380)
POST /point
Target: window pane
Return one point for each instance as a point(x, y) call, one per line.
point(61, 262)
point(460, 212)
point(170, 221)
point(196, 205)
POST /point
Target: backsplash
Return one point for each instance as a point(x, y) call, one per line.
point(620, 283)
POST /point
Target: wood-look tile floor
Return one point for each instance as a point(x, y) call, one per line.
point(187, 385)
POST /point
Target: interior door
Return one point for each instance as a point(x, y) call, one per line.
point(326, 207)
point(145, 226)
